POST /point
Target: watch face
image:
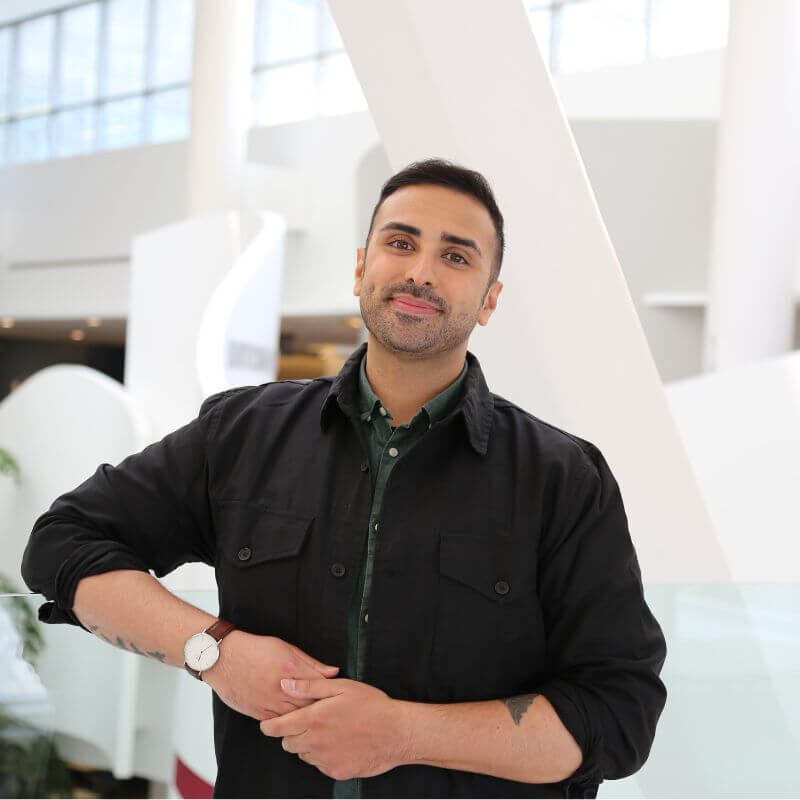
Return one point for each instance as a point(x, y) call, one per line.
point(201, 651)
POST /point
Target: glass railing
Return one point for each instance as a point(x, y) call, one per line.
point(77, 713)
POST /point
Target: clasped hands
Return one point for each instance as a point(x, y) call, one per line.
point(351, 729)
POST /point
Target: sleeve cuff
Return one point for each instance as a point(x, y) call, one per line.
point(576, 718)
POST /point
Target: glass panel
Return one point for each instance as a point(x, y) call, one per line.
point(600, 33)
point(286, 29)
point(540, 23)
point(78, 68)
point(5, 56)
point(173, 45)
point(686, 26)
point(285, 94)
point(339, 89)
point(3, 140)
point(121, 124)
point(329, 33)
point(73, 131)
point(34, 60)
point(169, 116)
point(126, 46)
point(30, 139)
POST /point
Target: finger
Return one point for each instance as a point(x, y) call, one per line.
point(289, 724)
point(313, 687)
point(313, 662)
point(293, 744)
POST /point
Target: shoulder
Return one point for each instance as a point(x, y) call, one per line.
point(548, 440)
point(271, 394)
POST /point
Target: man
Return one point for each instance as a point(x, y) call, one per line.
point(431, 591)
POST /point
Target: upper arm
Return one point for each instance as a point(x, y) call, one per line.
point(148, 512)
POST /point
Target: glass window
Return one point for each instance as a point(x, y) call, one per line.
point(121, 123)
point(329, 33)
point(686, 26)
point(168, 116)
point(29, 141)
point(339, 89)
point(127, 27)
point(599, 33)
point(286, 29)
point(173, 42)
point(78, 67)
point(286, 94)
point(34, 59)
point(73, 131)
point(3, 144)
point(5, 63)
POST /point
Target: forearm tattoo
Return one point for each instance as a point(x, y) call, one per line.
point(159, 656)
point(518, 705)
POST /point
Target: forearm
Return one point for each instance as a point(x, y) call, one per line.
point(130, 609)
point(519, 738)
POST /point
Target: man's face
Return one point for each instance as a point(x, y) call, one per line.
point(434, 245)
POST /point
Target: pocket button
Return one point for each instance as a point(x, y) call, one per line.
point(337, 569)
point(244, 554)
point(501, 587)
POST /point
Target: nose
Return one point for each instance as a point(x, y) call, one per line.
point(421, 270)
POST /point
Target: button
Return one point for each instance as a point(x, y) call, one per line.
point(376, 526)
point(244, 554)
point(338, 569)
point(364, 466)
point(366, 617)
point(369, 419)
point(383, 411)
point(393, 451)
point(501, 587)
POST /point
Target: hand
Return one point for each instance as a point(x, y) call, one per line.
point(247, 674)
point(352, 730)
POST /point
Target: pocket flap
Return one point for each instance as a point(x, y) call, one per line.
point(483, 564)
point(251, 534)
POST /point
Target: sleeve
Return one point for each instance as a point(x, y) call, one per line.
point(605, 649)
point(150, 512)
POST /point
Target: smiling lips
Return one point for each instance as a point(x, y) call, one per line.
point(413, 305)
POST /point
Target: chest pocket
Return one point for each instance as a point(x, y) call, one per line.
point(489, 637)
point(260, 553)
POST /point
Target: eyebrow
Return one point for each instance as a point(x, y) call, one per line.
point(446, 237)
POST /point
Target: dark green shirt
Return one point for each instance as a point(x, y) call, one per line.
point(387, 445)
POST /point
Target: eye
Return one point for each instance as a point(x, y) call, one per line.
point(400, 241)
point(458, 255)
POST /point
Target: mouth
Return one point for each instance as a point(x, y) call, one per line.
point(408, 306)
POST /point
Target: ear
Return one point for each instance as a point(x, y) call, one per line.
point(359, 273)
point(490, 303)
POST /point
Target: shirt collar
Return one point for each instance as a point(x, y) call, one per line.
point(436, 408)
point(475, 404)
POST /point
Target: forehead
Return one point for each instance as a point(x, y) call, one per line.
point(434, 209)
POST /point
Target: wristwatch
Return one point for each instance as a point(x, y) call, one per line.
point(201, 651)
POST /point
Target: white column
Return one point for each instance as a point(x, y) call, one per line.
point(220, 116)
point(565, 341)
point(754, 246)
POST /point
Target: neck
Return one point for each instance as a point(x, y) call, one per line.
point(405, 384)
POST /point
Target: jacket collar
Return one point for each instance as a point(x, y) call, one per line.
point(476, 403)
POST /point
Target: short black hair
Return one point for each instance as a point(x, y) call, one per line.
point(439, 172)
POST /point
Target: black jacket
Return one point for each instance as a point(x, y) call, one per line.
point(504, 556)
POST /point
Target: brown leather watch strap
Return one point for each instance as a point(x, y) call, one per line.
point(218, 630)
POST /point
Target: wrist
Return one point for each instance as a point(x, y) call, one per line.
point(407, 715)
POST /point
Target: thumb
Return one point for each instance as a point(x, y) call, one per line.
point(327, 670)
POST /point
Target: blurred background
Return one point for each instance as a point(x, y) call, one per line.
point(183, 186)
